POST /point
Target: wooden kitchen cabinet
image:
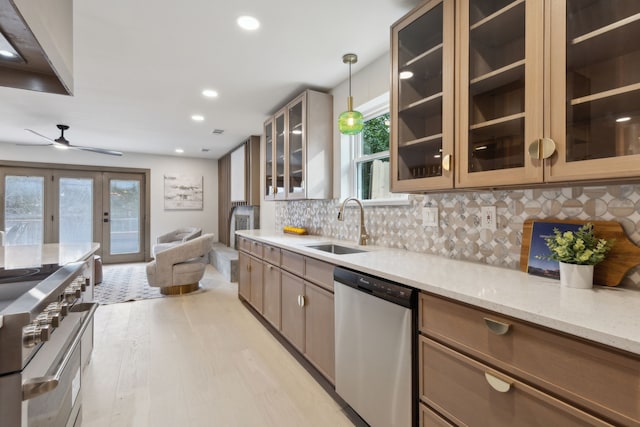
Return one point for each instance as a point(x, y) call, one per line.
point(545, 91)
point(271, 294)
point(422, 101)
point(257, 284)
point(244, 275)
point(319, 329)
point(578, 373)
point(298, 145)
point(292, 306)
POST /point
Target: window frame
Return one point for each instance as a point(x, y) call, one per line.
point(370, 110)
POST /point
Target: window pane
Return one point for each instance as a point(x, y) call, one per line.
point(375, 135)
point(125, 216)
point(76, 210)
point(373, 180)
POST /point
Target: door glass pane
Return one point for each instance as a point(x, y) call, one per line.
point(279, 178)
point(268, 155)
point(296, 180)
point(76, 210)
point(496, 86)
point(603, 83)
point(24, 210)
point(124, 201)
point(420, 85)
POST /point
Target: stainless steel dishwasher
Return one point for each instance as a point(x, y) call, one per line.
point(375, 325)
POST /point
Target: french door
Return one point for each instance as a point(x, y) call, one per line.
point(67, 206)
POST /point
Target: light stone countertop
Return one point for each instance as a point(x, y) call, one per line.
point(29, 256)
point(607, 315)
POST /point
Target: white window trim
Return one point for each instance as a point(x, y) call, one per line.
point(373, 108)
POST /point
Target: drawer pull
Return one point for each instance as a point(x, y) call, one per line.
point(498, 328)
point(497, 384)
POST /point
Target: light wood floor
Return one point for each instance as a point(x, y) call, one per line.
point(197, 360)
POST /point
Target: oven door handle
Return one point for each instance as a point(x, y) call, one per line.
point(34, 387)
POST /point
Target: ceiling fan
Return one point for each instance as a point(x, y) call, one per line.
point(62, 143)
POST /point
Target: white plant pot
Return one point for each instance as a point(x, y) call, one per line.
point(576, 276)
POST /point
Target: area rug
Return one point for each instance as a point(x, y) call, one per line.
point(123, 283)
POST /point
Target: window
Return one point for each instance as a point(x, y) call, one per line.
point(370, 155)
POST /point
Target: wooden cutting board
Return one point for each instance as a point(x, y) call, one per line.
point(623, 256)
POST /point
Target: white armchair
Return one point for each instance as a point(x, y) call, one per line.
point(178, 269)
point(175, 237)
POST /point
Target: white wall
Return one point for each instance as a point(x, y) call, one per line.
point(366, 84)
point(161, 220)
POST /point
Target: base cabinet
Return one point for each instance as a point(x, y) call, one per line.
point(477, 367)
point(293, 317)
point(293, 293)
point(319, 329)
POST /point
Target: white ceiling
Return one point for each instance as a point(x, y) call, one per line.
point(140, 67)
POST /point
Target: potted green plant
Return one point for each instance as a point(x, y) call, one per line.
point(577, 252)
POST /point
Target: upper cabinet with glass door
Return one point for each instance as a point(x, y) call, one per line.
point(500, 92)
point(595, 89)
point(302, 149)
point(269, 187)
point(422, 104)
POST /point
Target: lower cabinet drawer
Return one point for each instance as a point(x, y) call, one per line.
point(319, 272)
point(588, 375)
point(271, 255)
point(292, 262)
point(471, 394)
point(429, 418)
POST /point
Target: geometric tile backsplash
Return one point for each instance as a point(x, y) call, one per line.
point(458, 235)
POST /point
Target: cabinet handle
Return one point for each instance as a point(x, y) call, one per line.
point(298, 300)
point(249, 267)
point(269, 267)
point(496, 383)
point(302, 302)
point(542, 148)
point(498, 328)
point(446, 162)
point(275, 190)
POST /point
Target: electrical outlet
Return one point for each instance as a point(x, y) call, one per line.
point(429, 216)
point(488, 217)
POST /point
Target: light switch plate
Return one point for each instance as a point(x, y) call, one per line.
point(429, 216)
point(488, 217)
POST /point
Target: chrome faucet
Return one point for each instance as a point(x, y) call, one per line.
point(363, 231)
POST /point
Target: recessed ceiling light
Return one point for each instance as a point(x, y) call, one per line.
point(248, 23)
point(197, 118)
point(179, 150)
point(623, 119)
point(405, 75)
point(210, 93)
point(7, 54)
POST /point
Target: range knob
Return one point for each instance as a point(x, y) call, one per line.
point(33, 335)
point(70, 295)
point(48, 318)
point(58, 307)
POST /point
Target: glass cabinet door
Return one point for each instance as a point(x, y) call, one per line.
point(595, 89)
point(280, 147)
point(422, 104)
point(295, 132)
point(501, 91)
point(269, 184)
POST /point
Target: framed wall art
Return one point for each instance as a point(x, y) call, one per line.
point(183, 192)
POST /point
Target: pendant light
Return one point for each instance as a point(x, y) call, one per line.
point(350, 122)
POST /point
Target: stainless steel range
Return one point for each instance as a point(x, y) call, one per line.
point(46, 335)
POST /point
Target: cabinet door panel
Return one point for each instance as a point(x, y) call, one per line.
point(244, 276)
point(279, 161)
point(292, 316)
point(255, 269)
point(422, 101)
point(320, 334)
point(595, 89)
point(501, 92)
point(271, 296)
point(269, 165)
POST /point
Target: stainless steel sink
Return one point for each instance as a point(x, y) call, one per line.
point(336, 249)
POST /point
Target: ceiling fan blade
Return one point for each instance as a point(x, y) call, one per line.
point(97, 150)
point(40, 135)
point(33, 145)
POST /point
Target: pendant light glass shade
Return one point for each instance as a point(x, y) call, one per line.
point(350, 122)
